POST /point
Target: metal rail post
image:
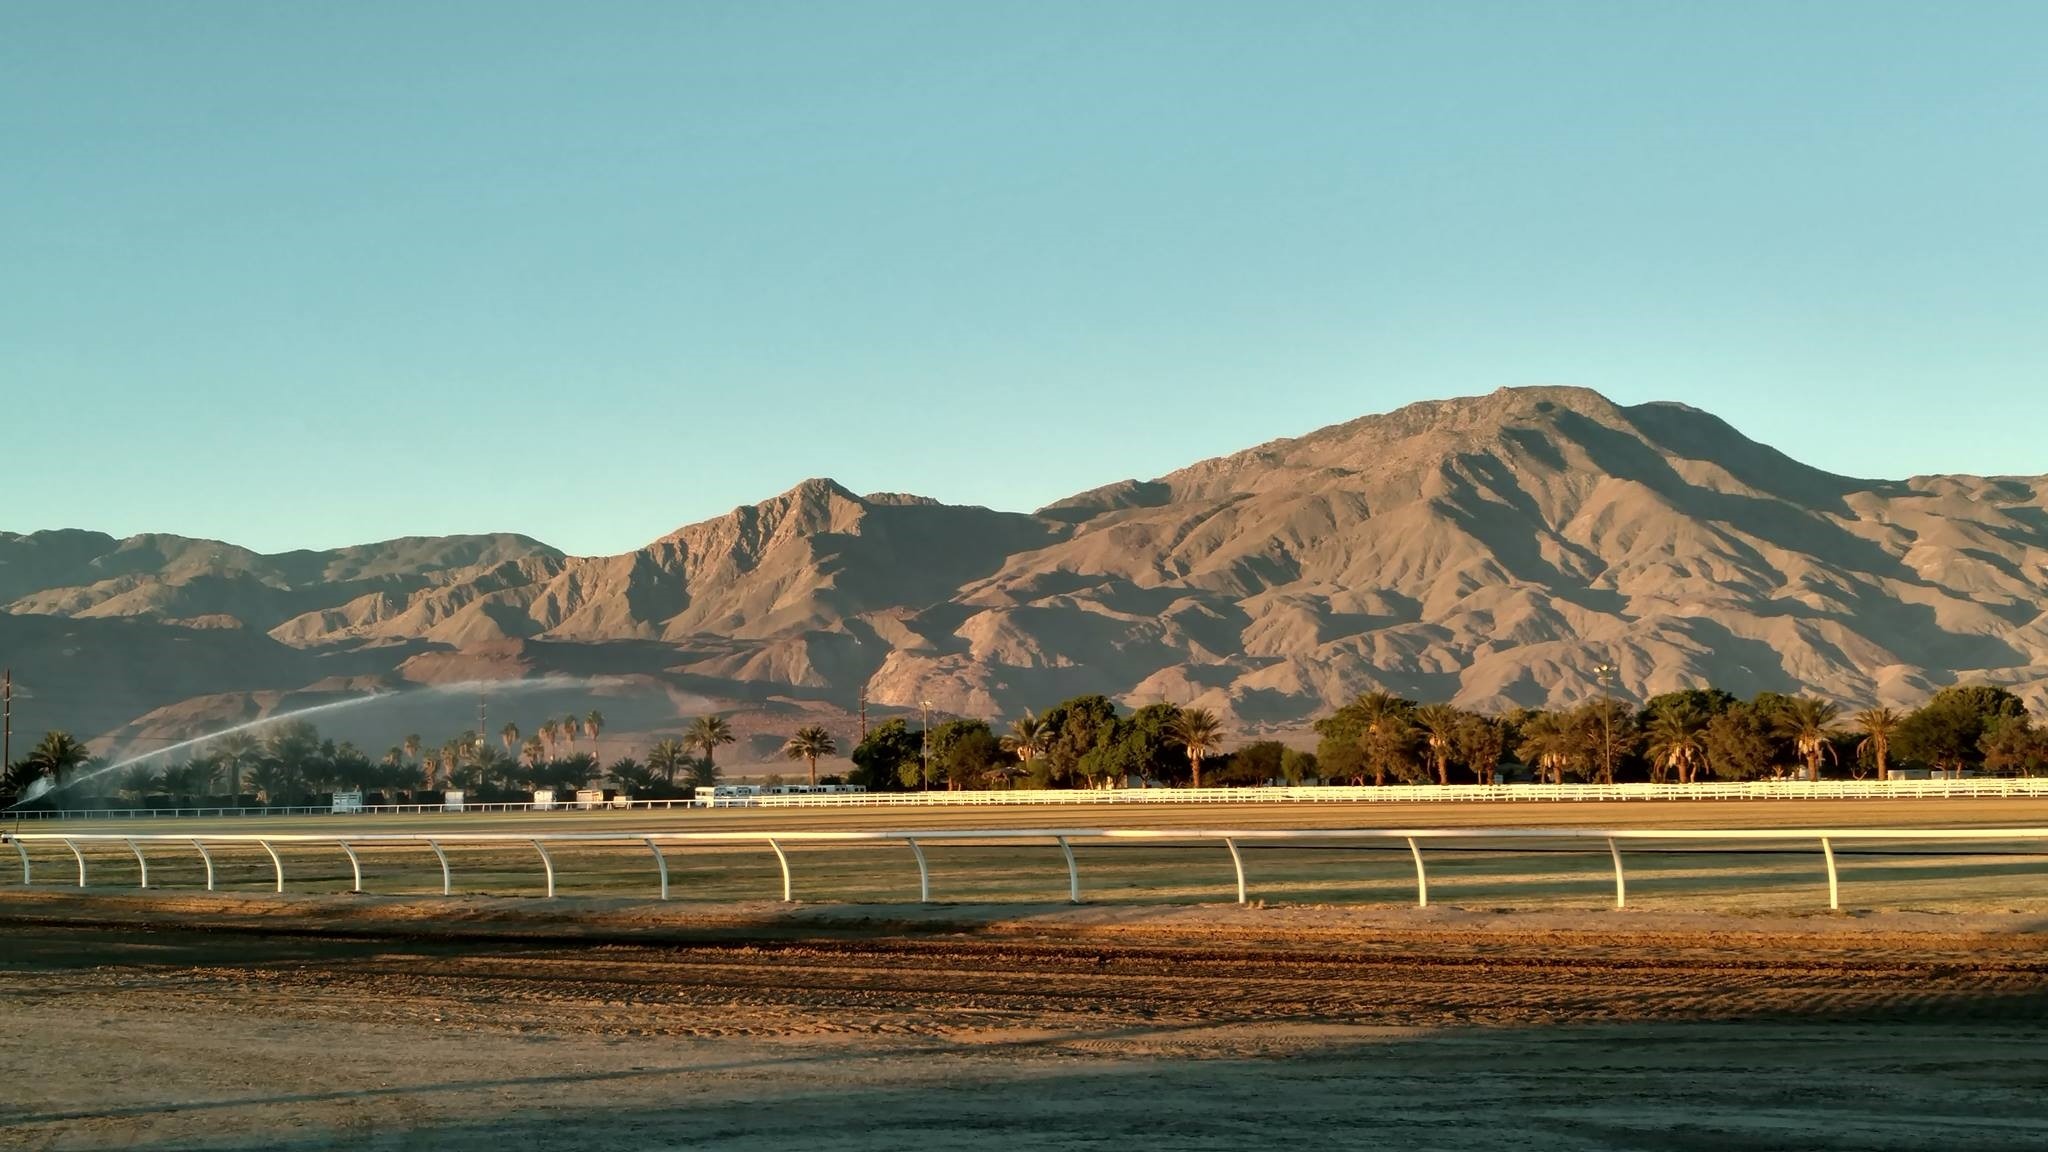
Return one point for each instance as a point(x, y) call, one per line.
point(783, 860)
point(276, 864)
point(1620, 885)
point(27, 874)
point(1073, 871)
point(1421, 877)
point(924, 874)
point(446, 885)
point(1834, 890)
point(355, 866)
point(1237, 864)
point(78, 856)
point(660, 865)
point(547, 862)
point(208, 857)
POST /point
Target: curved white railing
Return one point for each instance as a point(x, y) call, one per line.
point(1612, 839)
point(1973, 788)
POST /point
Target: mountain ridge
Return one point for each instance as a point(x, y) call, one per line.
point(1494, 550)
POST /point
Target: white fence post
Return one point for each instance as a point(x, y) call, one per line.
point(783, 860)
point(1073, 871)
point(1237, 863)
point(276, 864)
point(447, 881)
point(27, 874)
point(80, 857)
point(1834, 889)
point(206, 856)
point(1620, 885)
point(924, 874)
point(548, 863)
point(355, 866)
point(660, 865)
point(1421, 877)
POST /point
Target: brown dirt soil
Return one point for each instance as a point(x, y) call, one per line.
point(243, 1022)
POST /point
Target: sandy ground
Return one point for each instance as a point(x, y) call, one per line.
point(174, 1021)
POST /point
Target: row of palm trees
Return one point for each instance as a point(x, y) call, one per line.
point(1675, 737)
point(1197, 732)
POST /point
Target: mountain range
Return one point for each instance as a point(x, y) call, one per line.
point(1492, 550)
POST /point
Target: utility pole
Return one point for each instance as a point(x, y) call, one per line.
point(924, 759)
point(6, 718)
point(863, 713)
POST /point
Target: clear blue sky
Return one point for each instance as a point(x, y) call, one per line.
point(300, 274)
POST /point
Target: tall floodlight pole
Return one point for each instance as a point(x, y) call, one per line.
point(1605, 674)
point(924, 759)
point(6, 718)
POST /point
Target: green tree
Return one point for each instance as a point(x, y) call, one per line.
point(1386, 735)
point(593, 727)
point(1549, 743)
point(1948, 730)
point(1025, 739)
point(1199, 733)
point(668, 757)
point(2013, 746)
point(881, 760)
point(237, 752)
point(1298, 767)
point(1739, 744)
point(632, 777)
point(1481, 741)
point(809, 744)
point(54, 758)
point(1437, 724)
point(1809, 724)
point(707, 734)
point(1878, 726)
point(1073, 729)
point(1677, 735)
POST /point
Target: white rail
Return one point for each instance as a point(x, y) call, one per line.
point(1611, 839)
point(1973, 788)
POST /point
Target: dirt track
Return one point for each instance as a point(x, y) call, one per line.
point(214, 1024)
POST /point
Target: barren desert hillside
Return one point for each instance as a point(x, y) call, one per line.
point(1492, 549)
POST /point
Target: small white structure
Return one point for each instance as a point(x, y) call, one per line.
point(348, 801)
point(544, 799)
point(451, 800)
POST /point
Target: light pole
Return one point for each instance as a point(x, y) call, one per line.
point(1606, 674)
point(924, 758)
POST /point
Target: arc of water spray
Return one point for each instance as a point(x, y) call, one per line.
point(538, 683)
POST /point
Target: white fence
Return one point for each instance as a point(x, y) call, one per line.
point(1613, 839)
point(1975, 787)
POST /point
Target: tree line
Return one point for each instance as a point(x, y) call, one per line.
point(1680, 737)
point(291, 763)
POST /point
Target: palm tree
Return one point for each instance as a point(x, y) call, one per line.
point(706, 733)
point(1386, 732)
point(1439, 725)
point(535, 750)
point(509, 736)
point(1678, 742)
point(569, 729)
point(808, 744)
point(235, 751)
point(55, 756)
point(1025, 739)
point(668, 757)
point(1198, 733)
point(1807, 723)
point(1549, 743)
point(412, 746)
point(1878, 726)
point(592, 725)
point(431, 765)
point(548, 732)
